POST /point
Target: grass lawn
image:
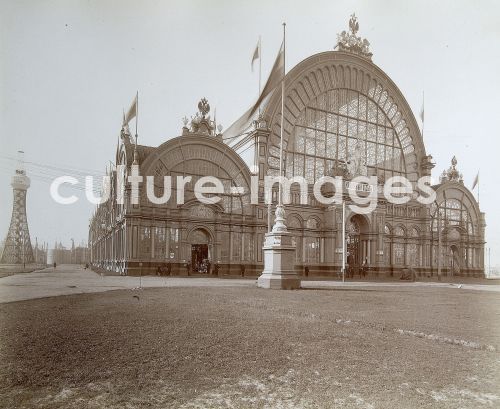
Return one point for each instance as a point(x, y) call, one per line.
point(246, 347)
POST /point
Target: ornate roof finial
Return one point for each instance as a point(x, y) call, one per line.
point(201, 123)
point(452, 174)
point(353, 24)
point(350, 42)
point(204, 107)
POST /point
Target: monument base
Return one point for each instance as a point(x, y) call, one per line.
point(279, 263)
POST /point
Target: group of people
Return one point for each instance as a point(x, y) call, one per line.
point(165, 270)
point(203, 267)
point(352, 268)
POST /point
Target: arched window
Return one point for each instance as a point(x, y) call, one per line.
point(413, 248)
point(312, 223)
point(353, 227)
point(293, 222)
point(399, 246)
point(453, 212)
point(343, 128)
point(399, 231)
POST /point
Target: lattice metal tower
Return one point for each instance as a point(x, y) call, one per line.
point(17, 249)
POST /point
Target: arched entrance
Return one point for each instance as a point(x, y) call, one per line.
point(200, 251)
point(357, 248)
point(454, 260)
point(352, 238)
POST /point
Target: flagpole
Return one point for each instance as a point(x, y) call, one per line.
point(439, 243)
point(280, 199)
point(478, 188)
point(343, 240)
point(423, 113)
point(135, 162)
point(136, 115)
point(260, 67)
point(255, 141)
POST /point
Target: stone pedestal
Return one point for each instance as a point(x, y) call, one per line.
point(279, 258)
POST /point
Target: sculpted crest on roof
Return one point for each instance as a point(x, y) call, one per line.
point(349, 41)
point(452, 174)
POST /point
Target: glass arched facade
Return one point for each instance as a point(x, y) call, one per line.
point(340, 124)
point(453, 212)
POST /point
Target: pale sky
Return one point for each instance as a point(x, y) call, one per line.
point(68, 68)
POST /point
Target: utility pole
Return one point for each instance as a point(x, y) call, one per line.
point(439, 245)
point(489, 262)
point(343, 241)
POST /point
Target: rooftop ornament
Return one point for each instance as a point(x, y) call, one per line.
point(452, 174)
point(200, 123)
point(348, 41)
point(203, 107)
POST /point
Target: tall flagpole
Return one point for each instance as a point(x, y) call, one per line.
point(279, 221)
point(343, 240)
point(255, 141)
point(256, 145)
point(136, 121)
point(478, 181)
point(280, 199)
point(422, 115)
point(136, 115)
point(439, 243)
point(260, 68)
point(279, 251)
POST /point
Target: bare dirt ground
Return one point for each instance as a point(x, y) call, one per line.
point(74, 279)
point(8, 270)
point(242, 347)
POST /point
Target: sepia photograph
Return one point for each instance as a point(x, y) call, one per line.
point(249, 204)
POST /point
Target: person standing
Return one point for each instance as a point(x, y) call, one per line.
point(364, 268)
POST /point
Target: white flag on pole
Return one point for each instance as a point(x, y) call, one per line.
point(256, 53)
point(476, 181)
point(132, 112)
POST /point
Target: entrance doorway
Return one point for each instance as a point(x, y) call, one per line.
point(353, 247)
point(454, 260)
point(200, 251)
point(199, 258)
point(357, 245)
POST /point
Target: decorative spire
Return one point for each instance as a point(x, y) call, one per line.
point(452, 174)
point(348, 41)
point(200, 123)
